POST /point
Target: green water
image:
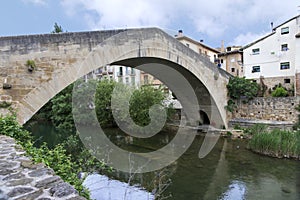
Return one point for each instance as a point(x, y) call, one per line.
point(229, 171)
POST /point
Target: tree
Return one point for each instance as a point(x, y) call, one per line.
point(141, 101)
point(103, 102)
point(62, 117)
point(242, 88)
point(57, 28)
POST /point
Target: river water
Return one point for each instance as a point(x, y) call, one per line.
point(228, 172)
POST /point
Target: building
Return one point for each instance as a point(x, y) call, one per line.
point(231, 60)
point(127, 75)
point(198, 47)
point(275, 57)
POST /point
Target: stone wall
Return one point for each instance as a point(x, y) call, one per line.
point(271, 108)
point(20, 179)
point(286, 81)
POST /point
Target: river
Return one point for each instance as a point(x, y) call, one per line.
point(228, 172)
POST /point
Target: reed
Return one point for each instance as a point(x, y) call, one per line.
point(277, 143)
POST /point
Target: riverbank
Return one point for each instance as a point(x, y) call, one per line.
point(21, 179)
point(277, 143)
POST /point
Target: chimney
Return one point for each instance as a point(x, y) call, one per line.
point(222, 46)
point(272, 26)
point(180, 33)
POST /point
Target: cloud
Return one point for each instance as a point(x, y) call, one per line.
point(214, 19)
point(37, 2)
point(246, 38)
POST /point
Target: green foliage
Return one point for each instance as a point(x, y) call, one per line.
point(56, 158)
point(277, 143)
point(141, 101)
point(61, 115)
point(256, 129)
point(5, 104)
point(103, 102)
point(30, 64)
point(242, 88)
point(280, 92)
point(57, 28)
point(231, 106)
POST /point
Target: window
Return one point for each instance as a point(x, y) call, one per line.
point(133, 81)
point(287, 80)
point(146, 81)
point(200, 51)
point(284, 30)
point(188, 45)
point(255, 51)
point(132, 71)
point(284, 47)
point(121, 71)
point(127, 70)
point(255, 69)
point(127, 80)
point(222, 61)
point(285, 65)
point(232, 70)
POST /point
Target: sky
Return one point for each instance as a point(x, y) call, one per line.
point(236, 22)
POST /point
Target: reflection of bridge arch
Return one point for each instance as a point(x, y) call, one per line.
point(131, 47)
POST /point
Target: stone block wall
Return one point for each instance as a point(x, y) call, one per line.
point(271, 108)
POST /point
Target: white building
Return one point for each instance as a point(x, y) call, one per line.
point(275, 57)
point(127, 75)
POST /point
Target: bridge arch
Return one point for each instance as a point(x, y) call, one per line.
point(134, 48)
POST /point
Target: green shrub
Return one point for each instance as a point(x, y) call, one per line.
point(279, 92)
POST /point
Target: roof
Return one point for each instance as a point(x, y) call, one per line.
point(274, 29)
point(231, 52)
point(197, 43)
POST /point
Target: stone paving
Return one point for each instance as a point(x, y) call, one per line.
point(21, 179)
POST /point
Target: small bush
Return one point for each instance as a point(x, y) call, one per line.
point(280, 92)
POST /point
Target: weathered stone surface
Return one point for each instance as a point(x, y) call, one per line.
point(48, 182)
point(23, 181)
point(41, 172)
point(59, 58)
point(31, 196)
point(14, 176)
point(76, 198)
point(271, 108)
point(62, 190)
point(7, 164)
point(26, 180)
point(4, 172)
point(19, 190)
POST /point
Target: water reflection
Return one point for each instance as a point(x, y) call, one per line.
point(103, 188)
point(236, 190)
point(229, 172)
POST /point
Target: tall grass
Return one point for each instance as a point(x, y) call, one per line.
point(277, 143)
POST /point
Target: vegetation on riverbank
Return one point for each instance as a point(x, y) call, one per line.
point(58, 158)
point(277, 143)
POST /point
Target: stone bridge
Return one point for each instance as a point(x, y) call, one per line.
point(63, 58)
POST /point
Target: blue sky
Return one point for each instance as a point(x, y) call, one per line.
point(237, 22)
